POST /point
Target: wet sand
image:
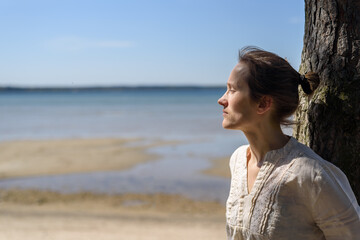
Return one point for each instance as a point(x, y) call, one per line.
point(51, 157)
point(219, 168)
point(34, 214)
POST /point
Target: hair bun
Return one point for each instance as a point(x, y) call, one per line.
point(309, 82)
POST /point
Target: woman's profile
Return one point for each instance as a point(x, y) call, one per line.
point(280, 188)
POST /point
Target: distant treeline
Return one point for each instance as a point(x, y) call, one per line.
point(97, 89)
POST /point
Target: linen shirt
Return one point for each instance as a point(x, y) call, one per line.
point(296, 195)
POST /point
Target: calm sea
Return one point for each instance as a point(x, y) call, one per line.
point(188, 115)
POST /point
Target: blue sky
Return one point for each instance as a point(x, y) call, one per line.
point(140, 42)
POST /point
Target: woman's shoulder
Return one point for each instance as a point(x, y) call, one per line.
point(313, 168)
point(329, 193)
point(321, 178)
point(308, 159)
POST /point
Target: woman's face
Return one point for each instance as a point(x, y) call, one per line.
point(239, 109)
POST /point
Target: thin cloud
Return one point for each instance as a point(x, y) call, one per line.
point(113, 44)
point(77, 43)
point(296, 20)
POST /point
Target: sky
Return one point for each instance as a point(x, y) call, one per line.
point(74, 43)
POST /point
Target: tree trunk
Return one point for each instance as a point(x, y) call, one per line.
point(329, 121)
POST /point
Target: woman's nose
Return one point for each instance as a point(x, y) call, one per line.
point(222, 101)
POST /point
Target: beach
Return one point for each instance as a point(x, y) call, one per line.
point(115, 164)
point(220, 167)
point(41, 214)
point(51, 157)
point(38, 215)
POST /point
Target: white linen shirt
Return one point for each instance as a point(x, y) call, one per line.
point(296, 195)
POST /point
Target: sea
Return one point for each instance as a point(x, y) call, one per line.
point(188, 116)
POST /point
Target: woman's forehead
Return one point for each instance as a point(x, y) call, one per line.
point(238, 74)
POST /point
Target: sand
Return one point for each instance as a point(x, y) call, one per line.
point(49, 157)
point(219, 168)
point(33, 214)
point(47, 215)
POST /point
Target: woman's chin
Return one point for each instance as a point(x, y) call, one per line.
point(227, 125)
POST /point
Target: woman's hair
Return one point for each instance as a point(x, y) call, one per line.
point(273, 76)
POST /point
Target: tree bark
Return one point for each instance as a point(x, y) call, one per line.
point(329, 120)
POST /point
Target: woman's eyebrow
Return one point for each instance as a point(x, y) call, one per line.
point(231, 85)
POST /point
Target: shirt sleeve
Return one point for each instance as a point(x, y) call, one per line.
point(335, 209)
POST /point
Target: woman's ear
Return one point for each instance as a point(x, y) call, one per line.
point(264, 104)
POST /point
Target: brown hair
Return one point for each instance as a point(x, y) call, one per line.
point(272, 75)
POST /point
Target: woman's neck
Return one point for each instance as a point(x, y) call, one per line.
point(264, 139)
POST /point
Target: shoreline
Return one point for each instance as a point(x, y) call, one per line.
point(41, 214)
point(67, 156)
point(85, 155)
point(219, 168)
point(32, 163)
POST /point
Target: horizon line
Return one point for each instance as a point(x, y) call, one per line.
point(114, 87)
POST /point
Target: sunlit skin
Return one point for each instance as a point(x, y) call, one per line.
point(239, 110)
point(254, 118)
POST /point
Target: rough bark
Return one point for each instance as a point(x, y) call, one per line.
point(329, 120)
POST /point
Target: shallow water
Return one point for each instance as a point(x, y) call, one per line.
point(191, 117)
point(178, 171)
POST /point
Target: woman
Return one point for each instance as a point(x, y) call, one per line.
point(280, 189)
